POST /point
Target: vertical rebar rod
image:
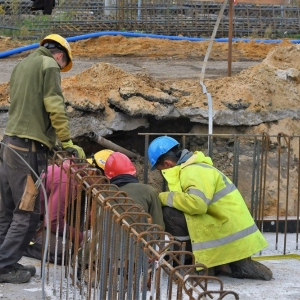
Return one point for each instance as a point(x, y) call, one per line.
point(146, 159)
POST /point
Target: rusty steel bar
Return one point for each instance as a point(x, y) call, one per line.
point(255, 178)
point(288, 144)
point(236, 156)
point(146, 158)
point(263, 178)
point(110, 145)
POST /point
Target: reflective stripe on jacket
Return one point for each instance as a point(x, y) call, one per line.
point(220, 225)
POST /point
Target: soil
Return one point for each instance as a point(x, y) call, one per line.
point(97, 82)
point(150, 47)
point(170, 57)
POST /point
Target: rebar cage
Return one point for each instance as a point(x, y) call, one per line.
point(125, 256)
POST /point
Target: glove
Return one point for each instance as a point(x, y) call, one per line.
point(73, 149)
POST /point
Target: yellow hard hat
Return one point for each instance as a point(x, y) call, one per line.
point(100, 158)
point(64, 44)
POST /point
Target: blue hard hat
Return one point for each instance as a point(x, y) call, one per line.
point(158, 147)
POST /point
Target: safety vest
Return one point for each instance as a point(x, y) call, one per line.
point(220, 225)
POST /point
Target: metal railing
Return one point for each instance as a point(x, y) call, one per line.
point(125, 256)
point(128, 257)
point(188, 18)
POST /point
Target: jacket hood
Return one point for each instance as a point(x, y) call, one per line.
point(184, 156)
point(173, 174)
point(198, 157)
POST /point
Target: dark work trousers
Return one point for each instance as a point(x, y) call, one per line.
point(17, 227)
point(175, 224)
point(35, 249)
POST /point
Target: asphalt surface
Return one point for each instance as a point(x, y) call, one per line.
point(162, 68)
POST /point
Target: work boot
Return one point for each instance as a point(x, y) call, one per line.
point(30, 268)
point(248, 268)
point(15, 276)
point(223, 270)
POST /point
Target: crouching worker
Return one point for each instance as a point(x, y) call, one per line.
point(56, 189)
point(122, 173)
point(205, 209)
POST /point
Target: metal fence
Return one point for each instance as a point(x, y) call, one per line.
point(125, 256)
point(188, 18)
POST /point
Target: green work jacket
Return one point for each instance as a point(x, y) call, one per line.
point(146, 196)
point(37, 109)
point(220, 225)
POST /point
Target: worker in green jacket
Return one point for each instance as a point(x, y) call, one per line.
point(36, 119)
point(121, 172)
point(206, 210)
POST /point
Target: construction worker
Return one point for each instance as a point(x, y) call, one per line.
point(56, 184)
point(56, 188)
point(205, 209)
point(99, 159)
point(36, 118)
point(121, 172)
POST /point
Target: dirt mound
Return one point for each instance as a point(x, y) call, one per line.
point(269, 86)
point(284, 57)
point(104, 84)
point(152, 47)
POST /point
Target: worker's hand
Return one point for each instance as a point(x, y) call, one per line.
point(73, 149)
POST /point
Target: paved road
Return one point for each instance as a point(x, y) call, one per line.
point(160, 68)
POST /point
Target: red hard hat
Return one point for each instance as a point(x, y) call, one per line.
point(117, 164)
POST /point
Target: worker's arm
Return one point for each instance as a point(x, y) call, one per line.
point(54, 103)
point(195, 193)
point(154, 207)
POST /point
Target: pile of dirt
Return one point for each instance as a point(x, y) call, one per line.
point(271, 85)
point(93, 89)
point(152, 47)
point(259, 89)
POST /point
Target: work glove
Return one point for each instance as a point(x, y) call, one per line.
point(73, 149)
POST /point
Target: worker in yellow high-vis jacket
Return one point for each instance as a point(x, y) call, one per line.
point(206, 210)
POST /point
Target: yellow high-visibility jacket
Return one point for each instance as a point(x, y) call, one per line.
point(220, 225)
